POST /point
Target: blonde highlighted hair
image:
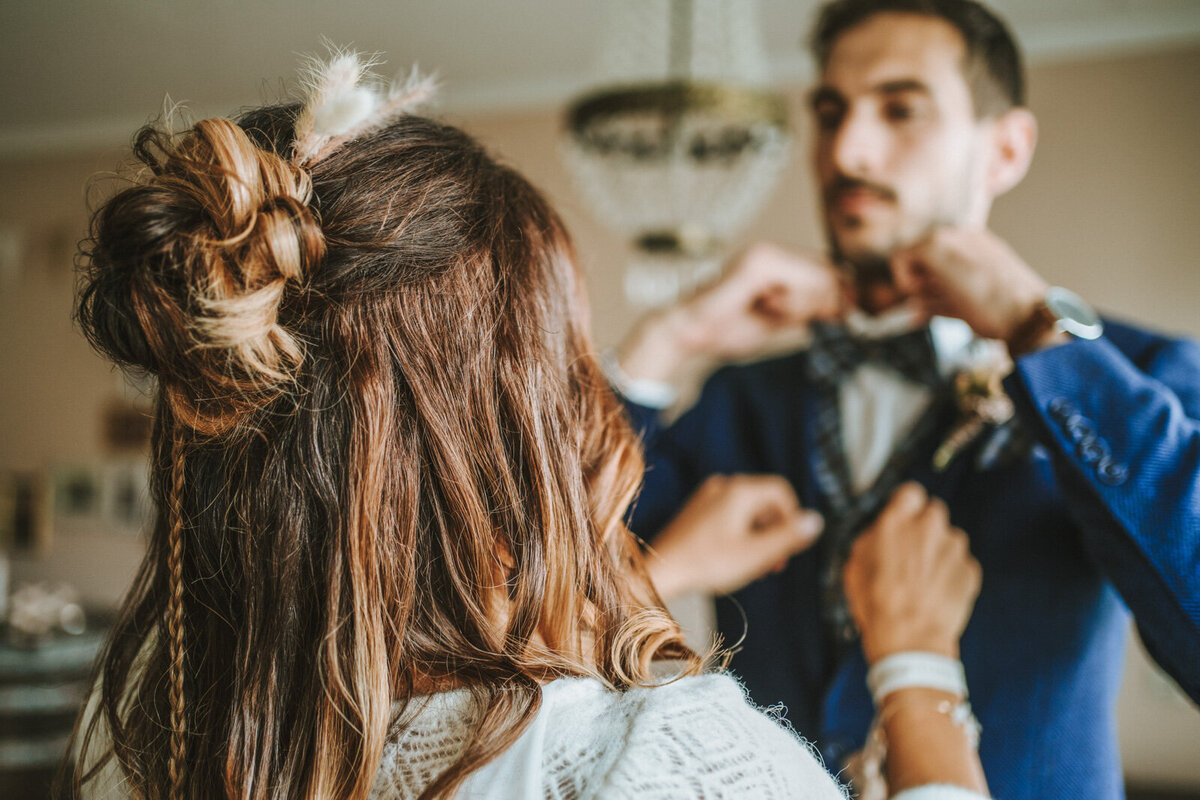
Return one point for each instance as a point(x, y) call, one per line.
point(385, 459)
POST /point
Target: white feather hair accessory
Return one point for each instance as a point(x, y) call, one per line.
point(344, 100)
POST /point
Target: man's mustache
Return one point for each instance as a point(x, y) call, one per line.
point(844, 184)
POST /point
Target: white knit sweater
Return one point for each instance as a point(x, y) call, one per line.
point(695, 738)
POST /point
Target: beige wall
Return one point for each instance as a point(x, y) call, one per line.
point(1109, 209)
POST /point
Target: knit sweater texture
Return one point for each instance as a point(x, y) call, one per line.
point(696, 738)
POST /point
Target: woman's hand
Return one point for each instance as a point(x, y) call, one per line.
point(911, 581)
point(733, 530)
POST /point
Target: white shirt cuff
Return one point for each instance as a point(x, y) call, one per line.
point(648, 393)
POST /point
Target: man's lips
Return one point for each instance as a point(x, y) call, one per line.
point(858, 200)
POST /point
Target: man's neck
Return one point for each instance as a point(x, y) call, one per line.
point(893, 321)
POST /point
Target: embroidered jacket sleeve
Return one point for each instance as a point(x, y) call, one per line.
point(1121, 418)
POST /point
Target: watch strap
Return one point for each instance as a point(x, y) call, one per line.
point(1032, 330)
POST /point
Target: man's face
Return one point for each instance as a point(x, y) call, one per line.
point(898, 149)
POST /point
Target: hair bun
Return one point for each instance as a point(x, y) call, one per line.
point(187, 271)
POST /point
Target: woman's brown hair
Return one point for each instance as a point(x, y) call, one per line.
point(385, 460)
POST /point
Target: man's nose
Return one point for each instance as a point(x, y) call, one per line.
point(858, 145)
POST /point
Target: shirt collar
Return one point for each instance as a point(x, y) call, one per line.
point(955, 345)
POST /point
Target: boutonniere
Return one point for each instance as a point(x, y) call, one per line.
point(979, 399)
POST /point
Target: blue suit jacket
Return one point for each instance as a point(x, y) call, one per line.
point(1103, 515)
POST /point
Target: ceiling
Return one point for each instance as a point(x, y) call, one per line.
point(77, 75)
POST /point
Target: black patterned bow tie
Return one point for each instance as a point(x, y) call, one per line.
point(835, 354)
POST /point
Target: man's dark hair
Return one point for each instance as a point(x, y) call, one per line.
point(992, 66)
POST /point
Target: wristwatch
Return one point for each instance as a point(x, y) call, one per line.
point(1061, 310)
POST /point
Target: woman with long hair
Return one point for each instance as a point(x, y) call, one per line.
point(389, 558)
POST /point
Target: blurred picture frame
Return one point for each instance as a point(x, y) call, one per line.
point(106, 497)
point(126, 505)
point(25, 511)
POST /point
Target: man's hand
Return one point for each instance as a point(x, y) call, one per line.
point(911, 581)
point(733, 530)
point(763, 292)
point(971, 274)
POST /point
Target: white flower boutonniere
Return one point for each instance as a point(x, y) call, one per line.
point(979, 398)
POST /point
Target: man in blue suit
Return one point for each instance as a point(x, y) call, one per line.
point(1076, 478)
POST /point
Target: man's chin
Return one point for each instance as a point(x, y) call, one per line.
point(877, 299)
point(867, 264)
point(866, 246)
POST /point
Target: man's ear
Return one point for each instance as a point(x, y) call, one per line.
point(1014, 136)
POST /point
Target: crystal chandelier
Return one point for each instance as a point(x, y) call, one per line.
point(682, 142)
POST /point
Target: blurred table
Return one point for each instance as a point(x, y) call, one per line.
point(42, 688)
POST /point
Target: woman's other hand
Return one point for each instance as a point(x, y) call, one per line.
point(733, 530)
point(911, 581)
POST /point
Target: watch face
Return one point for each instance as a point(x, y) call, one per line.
point(1075, 316)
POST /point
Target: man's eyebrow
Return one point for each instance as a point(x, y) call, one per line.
point(827, 94)
point(901, 86)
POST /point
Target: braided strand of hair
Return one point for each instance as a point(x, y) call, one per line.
point(175, 758)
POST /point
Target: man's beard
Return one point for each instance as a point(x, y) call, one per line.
point(864, 268)
point(870, 273)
